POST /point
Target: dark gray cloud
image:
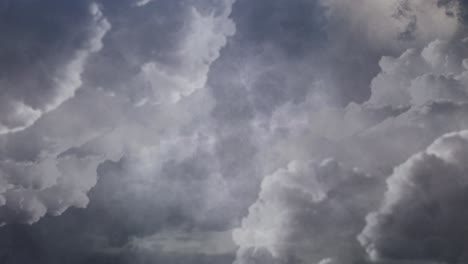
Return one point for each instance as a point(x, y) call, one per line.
point(41, 68)
point(416, 97)
point(460, 8)
point(108, 119)
point(57, 156)
point(161, 51)
point(423, 212)
point(173, 123)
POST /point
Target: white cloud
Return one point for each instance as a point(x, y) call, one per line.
point(308, 211)
point(205, 36)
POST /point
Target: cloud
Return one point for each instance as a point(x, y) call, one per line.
point(419, 76)
point(161, 51)
point(423, 210)
point(416, 97)
point(52, 164)
point(142, 2)
point(32, 190)
point(305, 213)
point(42, 73)
point(209, 243)
point(189, 104)
point(42, 67)
point(199, 48)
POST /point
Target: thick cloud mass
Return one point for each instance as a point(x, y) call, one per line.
point(222, 131)
point(306, 212)
point(50, 186)
point(40, 69)
point(423, 214)
point(51, 164)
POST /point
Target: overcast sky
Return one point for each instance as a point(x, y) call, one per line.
point(233, 132)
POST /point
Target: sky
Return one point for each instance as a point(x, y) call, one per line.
point(233, 132)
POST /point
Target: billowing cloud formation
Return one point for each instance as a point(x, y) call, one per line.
point(424, 207)
point(42, 69)
point(190, 112)
point(436, 72)
point(172, 61)
point(417, 96)
point(32, 189)
point(199, 48)
point(375, 135)
point(305, 213)
point(52, 164)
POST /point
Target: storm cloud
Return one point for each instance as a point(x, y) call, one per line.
point(42, 68)
point(247, 131)
point(422, 214)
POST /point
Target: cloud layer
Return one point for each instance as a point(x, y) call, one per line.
point(203, 131)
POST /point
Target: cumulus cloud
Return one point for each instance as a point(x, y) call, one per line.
point(31, 190)
point(305, 213)
point(199, 48)
point(42, 68)
point(196, 117)
point(162, 51)
point(418, 96)
point(43, 72)
point(136, 122)
point(423, 212)
point(434, 72)
point(51, 164)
